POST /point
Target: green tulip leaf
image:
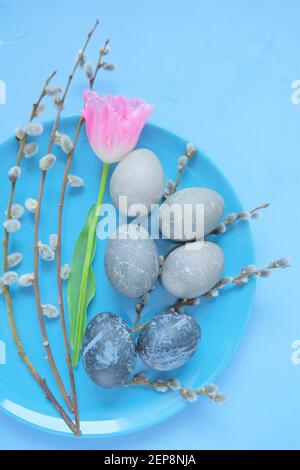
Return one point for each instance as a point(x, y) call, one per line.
point(81, 284)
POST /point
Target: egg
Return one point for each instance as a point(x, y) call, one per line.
point(192, 269)
point(168, 341)
point(137, 182)
point(190, 214)
point(131, 260)
point(108, 350)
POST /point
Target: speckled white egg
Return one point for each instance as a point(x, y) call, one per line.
point(192, 269)
point(131, 260)
point(137, 182)
point(178, 214)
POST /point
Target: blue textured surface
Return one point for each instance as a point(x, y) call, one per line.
point(220, 74)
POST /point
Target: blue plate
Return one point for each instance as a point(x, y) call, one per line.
point(223, 320)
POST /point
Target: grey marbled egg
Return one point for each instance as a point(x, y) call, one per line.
point(168, 341)
point(139, 177)
point(192, 269)
point(131, 261)
point(178, 214)
point(108, 350)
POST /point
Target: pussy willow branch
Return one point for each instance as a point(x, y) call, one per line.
point(183, 161)
point(181, 170)
point(59, 243)
point(189, 394)
point(251, 271)
point(241, 279)
point(8, 299)
point(140, 307)
point(235, 217)
point(20, 155)
point(36, 231)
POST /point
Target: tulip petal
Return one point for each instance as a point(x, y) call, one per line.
point(114, 124)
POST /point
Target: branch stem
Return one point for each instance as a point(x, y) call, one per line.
point(189, 394)
point(18, 163)
point(236, 217)
point(36, 237)
point(59, 244)
point(241, 279)
point(8, 298)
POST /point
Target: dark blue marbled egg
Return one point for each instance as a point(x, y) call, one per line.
point(108, 351)
point(168, 341)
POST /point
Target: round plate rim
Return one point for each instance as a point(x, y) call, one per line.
point(181, 404)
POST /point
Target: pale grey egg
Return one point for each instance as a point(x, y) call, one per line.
point(137, 182)
point(108, 350)
point(190, 214)
point(131, 260)
point(168, 341)
point(192, 269)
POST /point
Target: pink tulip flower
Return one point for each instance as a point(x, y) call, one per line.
point(114, 124)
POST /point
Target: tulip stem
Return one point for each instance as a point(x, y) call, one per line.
point(101, 191)
point(88, 260)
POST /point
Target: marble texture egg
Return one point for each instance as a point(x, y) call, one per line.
point(137, 182)
point(168, 341)
point(178, 217)
point(192, 269)
point(131, 260)
point(108, 350)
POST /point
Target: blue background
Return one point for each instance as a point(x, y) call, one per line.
point(220, 74)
